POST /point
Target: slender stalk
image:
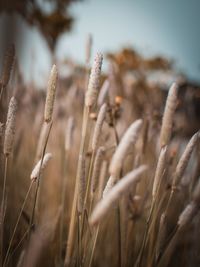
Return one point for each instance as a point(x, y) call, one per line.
point(17, 222)
point(3, 206)
point(119, 235)
point(139, 260)
point(87, 188)
point(63, 190)
point(35, 203)
point(94, 245)
point(70, 240)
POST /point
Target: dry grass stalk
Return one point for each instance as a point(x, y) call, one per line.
point(94, 81)
point(159, 171)
point(98, 126)
point(51, 91)
point(96, 169)
point(7, 65)
point(10, 126)
point(167, 121)
point(115, 193)
point(129, 139)
point(40, 166)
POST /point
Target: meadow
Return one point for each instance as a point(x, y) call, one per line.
point(99, 169)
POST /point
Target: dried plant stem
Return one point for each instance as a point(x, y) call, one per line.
point(119, 235)
point(70, 239)
point(17, 222)
point(87, 189)
point(3, 206)
point(35, 202)
point(140, 257)
point(63, 194)
point(118, 207)
point(94, 245)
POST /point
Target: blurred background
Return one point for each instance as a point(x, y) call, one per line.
point(46, 30)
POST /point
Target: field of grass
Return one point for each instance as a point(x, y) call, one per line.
point(99, 169)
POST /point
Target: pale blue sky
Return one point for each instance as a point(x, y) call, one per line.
point(168, 27)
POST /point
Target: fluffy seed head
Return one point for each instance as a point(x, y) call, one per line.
point(187, 214)
point(51, 91)
point(109, 186)
point(159, 171)
point(97, 168)
point(103, 173)
point(98, 126)
point(94, 81)
point(81, 183)
point(128, 140)
point(10, 126)
point(40, 166)
point(167, 122)
point(115, 193)
point(183, 162)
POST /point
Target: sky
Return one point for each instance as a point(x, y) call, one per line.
point(169, 28)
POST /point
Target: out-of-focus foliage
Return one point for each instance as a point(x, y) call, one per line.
point(50, 23)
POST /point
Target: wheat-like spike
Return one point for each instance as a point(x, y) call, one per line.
point(42, 138)
point(96, 169)
point(51, 91)
point(39, 168)
point(159, 171)
point(115, 193)
point(128, 140)
point(69, 133)
point(88, 48)
point(94, 81)
point(103, 173)
point(109, 185)
point(98, 126)
point(191, 209)
point(7, 65)
point(183, 162)
point(103, 93)
point(81, 184)
point(10, 126)
point(188, 214)
point(167, 121)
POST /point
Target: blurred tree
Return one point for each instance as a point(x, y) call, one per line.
point(51, 21)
